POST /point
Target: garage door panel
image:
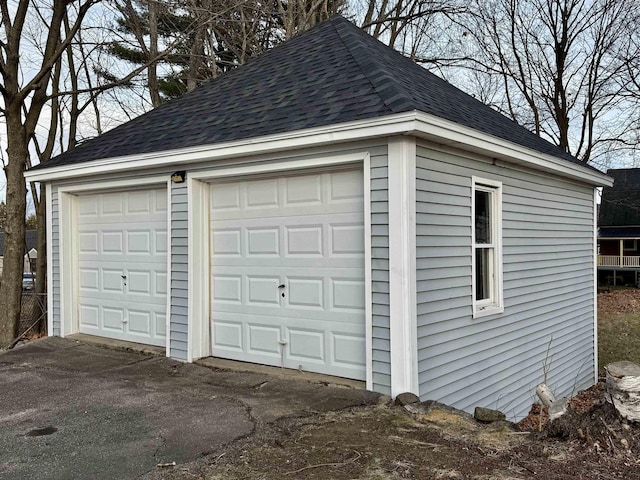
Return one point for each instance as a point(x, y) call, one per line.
point(346, 294)
point(348, 350)
point(88, 242)
point(227, 289)
point(89, 279)
point(301, 236)
point(262, 291)
point(122, 265)
point(305, 293)
point(262, 241)
point(263, 339)
point(89, 315)
point(113, 318)
point(306, 344)
point(303, 240)
point(226, 242)
point(346, 239)
point(225, 197)
point(303, 191)
point(139, 321)
point(112, 242)
point(160, 284)
point(227, 335)
point(346, 186)
point(160, 324)
point(139, 242)
point(260, 194)
point(139, 282)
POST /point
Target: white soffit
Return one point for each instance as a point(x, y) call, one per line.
point(415, 123)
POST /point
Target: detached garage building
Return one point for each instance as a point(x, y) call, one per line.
point(332, 207)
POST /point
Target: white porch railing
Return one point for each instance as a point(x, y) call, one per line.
point(618, 261)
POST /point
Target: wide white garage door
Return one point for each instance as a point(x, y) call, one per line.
point(122, 265)
point(287, 272)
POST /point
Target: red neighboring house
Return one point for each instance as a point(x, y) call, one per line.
point(619, 229)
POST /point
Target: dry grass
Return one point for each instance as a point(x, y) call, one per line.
point(619, 326)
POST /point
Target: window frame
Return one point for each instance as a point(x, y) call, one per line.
point(634, 245)
point(495, 303)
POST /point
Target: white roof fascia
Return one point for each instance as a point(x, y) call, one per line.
point(416, 123)
point(450, 133)
point(362, 129)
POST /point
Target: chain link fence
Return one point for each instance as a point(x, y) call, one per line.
point(33, 313)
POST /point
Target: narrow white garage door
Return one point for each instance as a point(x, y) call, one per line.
point(287, 272)
point(122, 265)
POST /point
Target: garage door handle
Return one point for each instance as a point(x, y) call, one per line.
point(281, 286)
point(123, 276)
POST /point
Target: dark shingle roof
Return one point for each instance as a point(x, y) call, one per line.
point(31, 240)
point(619, 232)
point(620, 204)
point(331, 74)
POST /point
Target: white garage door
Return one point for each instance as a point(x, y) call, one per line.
point(287, 272)
point(122, 263)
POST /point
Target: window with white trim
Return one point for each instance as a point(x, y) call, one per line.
point(487, 247)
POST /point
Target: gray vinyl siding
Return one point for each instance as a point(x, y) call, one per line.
point(380, 273)
point(179, 271)
point(497, 361)
point(55, 260)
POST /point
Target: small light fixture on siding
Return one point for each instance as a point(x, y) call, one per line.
point(178, 177)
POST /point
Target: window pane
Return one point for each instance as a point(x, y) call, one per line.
point(482, 225)
point(483, 273)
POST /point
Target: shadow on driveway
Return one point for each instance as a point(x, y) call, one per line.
point(74, 411)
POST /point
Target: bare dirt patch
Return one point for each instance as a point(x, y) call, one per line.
point(619, 301)
point(381, 442)
point(376, 443)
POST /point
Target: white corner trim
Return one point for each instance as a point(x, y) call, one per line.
point(368, 294)
point(198, 306)
point(595, 285)
point(168, 315)
point(402, 265)
point(68, 264)
point(49, 227)
point(414, 123)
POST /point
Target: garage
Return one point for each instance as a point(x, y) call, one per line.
point(122, 265)
point(287, 271)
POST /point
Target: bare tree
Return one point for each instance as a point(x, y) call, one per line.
point(24, 93)
point(300, 15)
point(418, 28)
point(560, 66)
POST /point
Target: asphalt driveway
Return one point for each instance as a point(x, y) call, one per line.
point(69, 410)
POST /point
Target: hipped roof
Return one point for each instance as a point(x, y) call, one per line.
point(331, 74)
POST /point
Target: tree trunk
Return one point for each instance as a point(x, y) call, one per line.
point(11, 287)
point(152, 71)
point(623, 388)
